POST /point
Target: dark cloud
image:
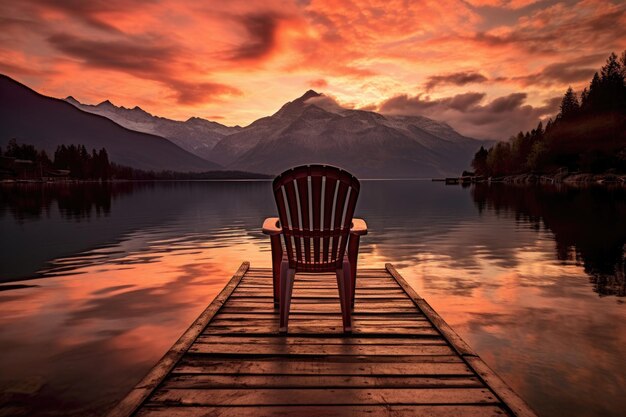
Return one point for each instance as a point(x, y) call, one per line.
point(89, 11)
point(192, 93)
point(403, 104)
point(506, 103)
point(144, 57)
point(497, 119)
point(462, 102)
point(555, 29)
point(261, 30)
point(457, 78)
point(137, 55)
point(571, 72)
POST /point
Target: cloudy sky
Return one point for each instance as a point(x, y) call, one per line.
point(487, 67)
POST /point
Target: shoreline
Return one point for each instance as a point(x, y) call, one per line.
point(563, 178)
point(535, 179)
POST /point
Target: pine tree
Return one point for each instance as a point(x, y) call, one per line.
point(105, 166)
point(479, 163)
point(569, 105)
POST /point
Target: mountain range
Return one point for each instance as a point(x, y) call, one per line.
point(314, 128)
point(311, 129)
point(46, 122)
point(195, 135)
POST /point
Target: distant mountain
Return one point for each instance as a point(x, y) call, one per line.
point(314, 128)
point(47, 122)
point(195, 135)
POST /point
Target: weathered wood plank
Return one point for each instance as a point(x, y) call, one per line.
point(207, 381)
point(311, 309)
point(317, 350)
point(323, 291)
point(433, 365)
point(307, 301)
point(317, 294)
point(321, 323)
point(313, 396)
point(394, 341)
point(271, 315)
point(146, 386)
point(327, 411)
point(322, 330)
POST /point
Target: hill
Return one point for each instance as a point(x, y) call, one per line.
point(47, 122)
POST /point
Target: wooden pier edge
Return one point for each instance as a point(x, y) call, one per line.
point(500, 389)
point(131, 402)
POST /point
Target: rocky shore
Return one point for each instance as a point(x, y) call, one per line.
point(562, 178)
point(533, 178)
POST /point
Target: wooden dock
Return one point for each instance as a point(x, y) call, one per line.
point(401, 360)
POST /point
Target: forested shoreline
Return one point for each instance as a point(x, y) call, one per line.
point(75, 163)
point(586, 138)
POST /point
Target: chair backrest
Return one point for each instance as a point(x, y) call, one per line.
point(315, 206)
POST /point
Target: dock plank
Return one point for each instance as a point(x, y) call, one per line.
point(326, 411)
point(325, 396)
point(402, 358)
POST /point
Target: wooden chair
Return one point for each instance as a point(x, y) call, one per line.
point(315, 208)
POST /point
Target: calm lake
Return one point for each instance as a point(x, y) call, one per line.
point(98, 281)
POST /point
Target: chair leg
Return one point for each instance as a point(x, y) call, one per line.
point(286, 288)
point(344, 282)
point(353, 256)
point(277, 257)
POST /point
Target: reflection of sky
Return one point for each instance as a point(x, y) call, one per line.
point(102, 311)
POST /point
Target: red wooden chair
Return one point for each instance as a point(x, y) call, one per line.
point(315, 208)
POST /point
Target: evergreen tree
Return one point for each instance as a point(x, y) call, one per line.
point(594, 93)
point(613, 91)
point(569, 105)
point(588, 135)
point(479, 163)
point(499, 159)
point(104, 164)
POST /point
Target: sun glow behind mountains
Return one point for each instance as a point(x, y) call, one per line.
point(487, 67)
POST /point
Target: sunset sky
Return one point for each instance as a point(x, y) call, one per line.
point(487, 67)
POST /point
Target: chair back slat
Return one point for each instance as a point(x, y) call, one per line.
point(329, 186)
point(315, 205)
point(305, 200)
point(316, 188)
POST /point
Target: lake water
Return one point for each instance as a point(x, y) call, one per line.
point(98, 281)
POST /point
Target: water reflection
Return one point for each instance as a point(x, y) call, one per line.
point(113, 274)
point(588, 224)
point(28, 201)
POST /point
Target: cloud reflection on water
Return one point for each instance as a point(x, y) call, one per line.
point(117, 289)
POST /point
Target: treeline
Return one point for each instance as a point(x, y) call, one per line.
point(80, 163)
point(588, 134)
point(75, 162)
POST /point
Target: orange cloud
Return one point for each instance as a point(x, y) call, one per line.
point(241, 60)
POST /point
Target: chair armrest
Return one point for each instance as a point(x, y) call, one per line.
point(359, 227)
point(271, 226)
